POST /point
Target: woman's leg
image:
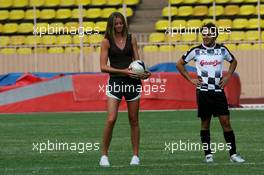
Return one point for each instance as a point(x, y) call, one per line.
point(112, 110)
point(133, 108)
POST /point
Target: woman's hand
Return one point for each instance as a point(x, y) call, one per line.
point(144, 75)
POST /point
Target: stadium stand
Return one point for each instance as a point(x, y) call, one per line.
point(57, 21)
point(239, 16)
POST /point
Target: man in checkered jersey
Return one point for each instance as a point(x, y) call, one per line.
point(211, 99)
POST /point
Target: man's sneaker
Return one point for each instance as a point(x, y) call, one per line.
point(135, 160)
point(104, 161)
point(209, 158)
point(237, 158)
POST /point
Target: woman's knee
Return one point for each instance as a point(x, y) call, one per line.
point(133, 120)
point(111, 119)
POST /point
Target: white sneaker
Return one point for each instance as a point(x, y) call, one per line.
point(237, 158)
point(104, 161)
point(135, 160)
point(209, 158)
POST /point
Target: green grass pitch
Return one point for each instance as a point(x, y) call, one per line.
point(19, 132)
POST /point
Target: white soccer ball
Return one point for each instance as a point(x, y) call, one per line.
point(138, 67)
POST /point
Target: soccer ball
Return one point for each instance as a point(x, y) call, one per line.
point(138, 67)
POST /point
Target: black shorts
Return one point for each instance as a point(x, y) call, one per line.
point(211, 103)
point(128, 87)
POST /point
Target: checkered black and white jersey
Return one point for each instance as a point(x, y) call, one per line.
point(209, 64)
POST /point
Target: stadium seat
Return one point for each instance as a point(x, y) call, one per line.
point(221, 1)
point(231, 10)
point(1, 28)
point(194, 23)
point(47, 14)
point(185, 11)
point(88, 49)
point(205, 21)
point(16, 14)
point(77, 39)
point(63, 13)
point(188, 37)
point(205, 1)
point(75, 13)
point(17, 40)
point(25, 28)
point(256, 46)
point(106, 12)
point(247, 10)
point(172, 11)
point(253, 23)
point(22, 50)
point(231, 47)
point(219, 10)
point(72, 50)
point(222, 37)
point(101, 26)
point(166, 48)
point(67, 3)
point(98, 2)
point(71, 26)
point(262, 35)
point(224, 23)
point(42, 27)
point(128, 10)
point(252, 35)
point(55, 50)
point(51, 3)
point(82, 2)
point(200, 10)
point(175, 2)
point(182, 47)
point(36, 3)
point(162, 25)
point(4, 40)
point(95, 39)
point(93, 13)
point(190, 1)
point(8, 51)
point(89, 25)
point(156, 37)
point(56, 28)
point(20, 3)
point(5, 3)
point(97, 49)
point(250, 1)
point(10, 28)
point(261, 10)
point(64, 39)
point(4, 14)
point(29, 14)
point(114, 2)
point(49, 39)
point(236, 1)
point(237, 36)
point(244, 46)
point(131, 2)
point(151, 48)
point(179, 24)
point(173, 38)
point(32, 40)
point(41, 50)
point(240, 23)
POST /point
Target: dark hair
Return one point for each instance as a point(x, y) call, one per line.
point(211, 27)
point(110, 28)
